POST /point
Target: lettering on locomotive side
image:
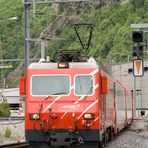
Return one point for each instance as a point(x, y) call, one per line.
point(71, 107)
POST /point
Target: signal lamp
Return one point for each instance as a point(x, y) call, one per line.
point(88, 116)
point(34, 116)
point(138, 51)
point(137, 36)
point(63, 65)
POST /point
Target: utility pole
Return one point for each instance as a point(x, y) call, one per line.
point(27, 4)
point(27, 35)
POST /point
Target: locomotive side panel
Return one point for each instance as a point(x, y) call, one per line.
point(107, 101)
point(110, 103)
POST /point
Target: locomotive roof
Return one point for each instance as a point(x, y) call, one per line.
point(91, 63)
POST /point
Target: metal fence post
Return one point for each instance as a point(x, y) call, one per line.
point(134, 97)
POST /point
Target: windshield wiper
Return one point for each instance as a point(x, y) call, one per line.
point(58, 93)
point(83, 97)
point(88, 91)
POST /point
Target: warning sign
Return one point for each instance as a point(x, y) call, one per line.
point(138, 68)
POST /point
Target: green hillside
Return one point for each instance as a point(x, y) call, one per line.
point(111, 32)
point(12, 31)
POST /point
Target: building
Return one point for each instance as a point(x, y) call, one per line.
point(124, 73)
point(11, 96)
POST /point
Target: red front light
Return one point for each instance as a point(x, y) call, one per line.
point(86, 123)
point(54, 116)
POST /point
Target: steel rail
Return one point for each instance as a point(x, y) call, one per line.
point(15, 145)
point(12, 118)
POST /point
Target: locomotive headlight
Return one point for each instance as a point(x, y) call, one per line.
point(88, 116)
point(35, 116)
point(63, 65)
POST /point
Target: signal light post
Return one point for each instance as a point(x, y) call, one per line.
point(138, 68)
point(137, 38)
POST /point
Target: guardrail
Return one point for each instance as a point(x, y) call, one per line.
point(10, 120)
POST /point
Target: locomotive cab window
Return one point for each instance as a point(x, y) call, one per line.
point(44, 85)
point(84, 85)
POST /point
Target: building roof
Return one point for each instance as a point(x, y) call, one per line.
point(12, 92)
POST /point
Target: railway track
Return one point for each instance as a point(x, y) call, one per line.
point(12, 118)
point(15, 145)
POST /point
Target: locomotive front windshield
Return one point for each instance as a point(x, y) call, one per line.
point(50, 85)
point(84, 85)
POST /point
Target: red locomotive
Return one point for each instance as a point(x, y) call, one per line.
point(73, 102)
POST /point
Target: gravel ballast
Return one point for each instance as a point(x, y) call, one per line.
point(17, 131)
point(130, 139)
point(125, 139)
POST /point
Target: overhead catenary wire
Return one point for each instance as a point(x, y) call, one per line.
point(46, 2)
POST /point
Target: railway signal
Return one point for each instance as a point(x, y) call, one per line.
point(138, 68)
point(137, 38)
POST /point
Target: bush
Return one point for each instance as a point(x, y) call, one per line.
point(4, 109)
point(7, 133)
